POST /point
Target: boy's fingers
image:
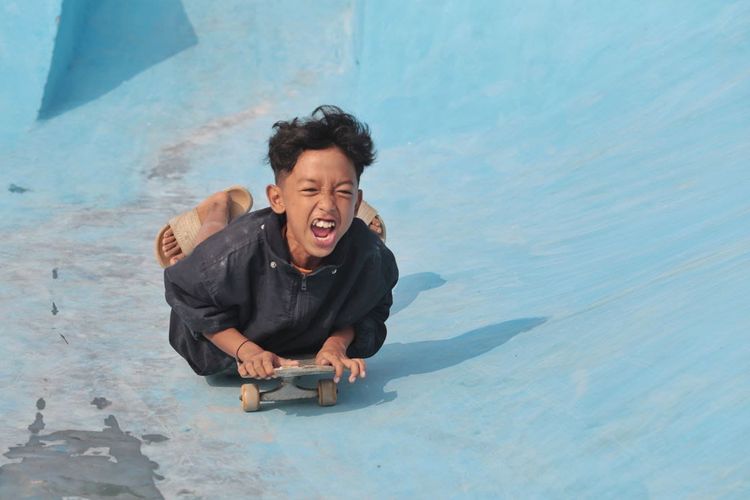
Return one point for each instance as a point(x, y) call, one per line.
point(287, 362)
point(353, 368)
point(362, 367)
point(338, 368)
point(268, 365)
point(258, 368)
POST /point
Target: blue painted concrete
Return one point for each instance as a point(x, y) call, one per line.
point(99, 46)
point(566, 190)
point(27, 35)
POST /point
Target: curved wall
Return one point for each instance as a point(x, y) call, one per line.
point(565, 185)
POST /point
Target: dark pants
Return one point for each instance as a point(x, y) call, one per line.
point(202, 356)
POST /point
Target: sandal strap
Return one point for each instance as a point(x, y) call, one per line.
point(185, 228)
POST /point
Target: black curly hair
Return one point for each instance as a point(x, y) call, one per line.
point(327, 126)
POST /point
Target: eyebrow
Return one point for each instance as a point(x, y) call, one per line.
point(315, 181)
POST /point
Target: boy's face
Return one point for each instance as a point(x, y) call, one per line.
point(320, 197)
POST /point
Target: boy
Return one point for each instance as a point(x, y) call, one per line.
point(301, 277)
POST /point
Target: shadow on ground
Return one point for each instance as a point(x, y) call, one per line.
point(409, 287)
point(397, 360)
point(102, 44)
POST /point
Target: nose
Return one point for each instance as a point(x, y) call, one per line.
point(327, 201)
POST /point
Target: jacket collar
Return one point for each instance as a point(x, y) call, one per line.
point(272, 229)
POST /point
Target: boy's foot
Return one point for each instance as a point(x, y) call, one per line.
point(376, 226)
point(373, 220)
point(213, 213)
point(178, 238)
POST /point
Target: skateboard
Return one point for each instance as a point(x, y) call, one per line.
point(289, 389)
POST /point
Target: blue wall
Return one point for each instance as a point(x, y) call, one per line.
point(27, 34)
point(565, 185)
point(102, 43)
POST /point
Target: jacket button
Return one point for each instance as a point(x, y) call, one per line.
point(262, 226)
point(273, 265)
point(334, 271)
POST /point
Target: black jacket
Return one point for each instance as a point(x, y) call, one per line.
point(241, 277)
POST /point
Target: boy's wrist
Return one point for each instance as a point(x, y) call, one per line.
point(335, 343)
point(340, 339)
point(247, 349)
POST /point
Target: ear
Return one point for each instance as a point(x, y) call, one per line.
point(273, 192)
point(359, 202)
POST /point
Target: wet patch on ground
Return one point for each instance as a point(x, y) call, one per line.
point(101, 403)
point(80, 463)
point(154, 438)
point(13, 188)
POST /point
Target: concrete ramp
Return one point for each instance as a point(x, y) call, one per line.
point(566, 187)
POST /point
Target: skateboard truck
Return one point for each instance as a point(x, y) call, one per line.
point(289, 388)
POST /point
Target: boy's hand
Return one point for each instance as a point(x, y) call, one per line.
point(261, 364)
point(335, 355)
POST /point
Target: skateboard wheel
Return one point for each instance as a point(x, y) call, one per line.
point(250, 397)
point(326, 392)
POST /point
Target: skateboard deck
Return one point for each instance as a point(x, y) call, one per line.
point(289, 388)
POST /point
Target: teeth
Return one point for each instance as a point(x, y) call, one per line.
point(323, 224)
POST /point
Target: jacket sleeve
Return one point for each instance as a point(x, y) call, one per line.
point(370, 331)
point(191, 291)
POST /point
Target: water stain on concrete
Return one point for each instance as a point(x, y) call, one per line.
point(37, 425)
point(81, 464)
point(40, 404)
point(154, 438)
point(174, 159)
point(54, 273)
point(17, 189)
point(55, 310)
point(101, 402)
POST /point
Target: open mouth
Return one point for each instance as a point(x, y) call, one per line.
point(323, 230)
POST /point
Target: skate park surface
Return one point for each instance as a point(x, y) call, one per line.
point(566, 188)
